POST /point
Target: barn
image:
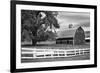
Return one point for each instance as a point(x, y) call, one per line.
point(72, 36)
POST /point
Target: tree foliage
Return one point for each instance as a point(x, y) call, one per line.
point(34, 27)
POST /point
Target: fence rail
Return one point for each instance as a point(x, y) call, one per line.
point(28, 53)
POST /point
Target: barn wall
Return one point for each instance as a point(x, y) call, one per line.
point(79, 37)
point(65, 41)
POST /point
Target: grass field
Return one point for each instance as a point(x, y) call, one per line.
point(82, 57)
point(57, 46)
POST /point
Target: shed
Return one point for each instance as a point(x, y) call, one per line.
point(72, 36)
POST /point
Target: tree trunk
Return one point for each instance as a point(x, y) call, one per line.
point(34, 42)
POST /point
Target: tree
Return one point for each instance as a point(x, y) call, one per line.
point(36, 25)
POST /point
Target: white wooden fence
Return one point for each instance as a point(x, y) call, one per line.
point(52, 53)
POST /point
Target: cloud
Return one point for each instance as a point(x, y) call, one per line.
point(75, 18)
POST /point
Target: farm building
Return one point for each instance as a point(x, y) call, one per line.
point(72, 36)
point(87, 36)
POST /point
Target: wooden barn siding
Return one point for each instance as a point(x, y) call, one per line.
point(79, 37)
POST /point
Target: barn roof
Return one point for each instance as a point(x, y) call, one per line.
point(69, 33)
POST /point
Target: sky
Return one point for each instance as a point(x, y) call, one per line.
point(76, 18)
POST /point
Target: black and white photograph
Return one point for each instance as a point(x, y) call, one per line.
point(53, 35)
